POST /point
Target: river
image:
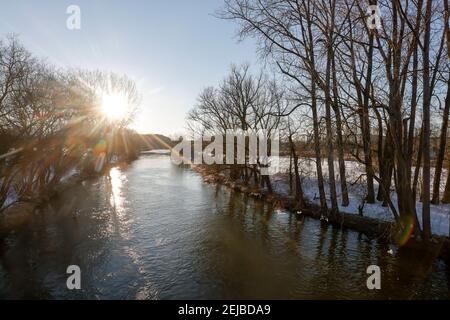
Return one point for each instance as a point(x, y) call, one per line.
point(157, 231)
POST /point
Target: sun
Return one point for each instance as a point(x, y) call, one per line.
point(114, 106)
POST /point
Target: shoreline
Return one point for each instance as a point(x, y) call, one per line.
point(439, 246)
point(19, 213)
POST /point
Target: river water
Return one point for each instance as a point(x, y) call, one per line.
point(156, 231)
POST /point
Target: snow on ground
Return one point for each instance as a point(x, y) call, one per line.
point(440, 214)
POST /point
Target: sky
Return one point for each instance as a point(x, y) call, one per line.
point(171, 49)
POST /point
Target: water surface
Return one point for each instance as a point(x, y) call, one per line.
point(156, 231)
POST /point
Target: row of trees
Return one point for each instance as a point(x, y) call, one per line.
point(243, 103)
point(366, 80)
point(51, 123)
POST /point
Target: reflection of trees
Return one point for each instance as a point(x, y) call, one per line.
point(51, 126)
point(75, 228)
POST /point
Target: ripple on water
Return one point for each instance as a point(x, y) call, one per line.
point(156, 231)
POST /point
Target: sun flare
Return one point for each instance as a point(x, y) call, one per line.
point(114, 106)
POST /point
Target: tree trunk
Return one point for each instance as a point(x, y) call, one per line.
point(299, 197)
point(406, 203)
point(426, 125)
point(320, 183)
point(366, 126)
point(290, 173)
point(442, 144)
point(386, 169)
point(329, 136)
point(446, 196)
point(418, 164)
point(339, 140)
point(412, 121)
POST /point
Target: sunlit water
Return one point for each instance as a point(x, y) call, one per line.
point(156, 231)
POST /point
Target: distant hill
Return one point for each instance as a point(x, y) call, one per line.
point(155, 141)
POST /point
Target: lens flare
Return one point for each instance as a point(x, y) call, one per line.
point(114, 106)
point(406, 232)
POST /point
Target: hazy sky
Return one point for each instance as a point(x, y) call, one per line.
point(172, 49)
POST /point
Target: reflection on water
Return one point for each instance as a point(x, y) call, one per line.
point(116, 199)
point(156, 231)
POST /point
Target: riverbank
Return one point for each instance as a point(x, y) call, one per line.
point(438, 247)
point(21, 212)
